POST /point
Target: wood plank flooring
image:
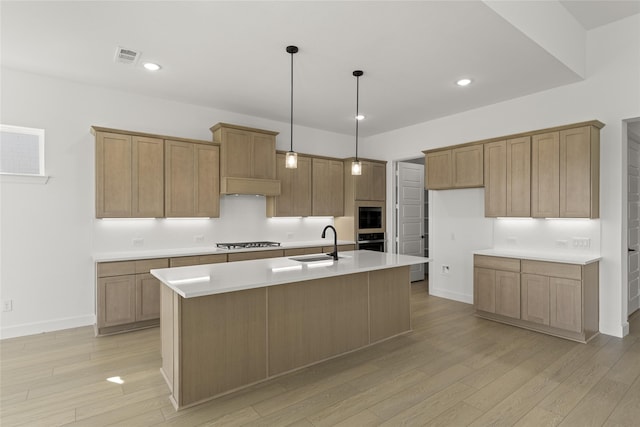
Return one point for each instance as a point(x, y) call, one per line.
point(453, 370)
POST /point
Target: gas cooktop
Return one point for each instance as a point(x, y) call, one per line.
point(244, 245)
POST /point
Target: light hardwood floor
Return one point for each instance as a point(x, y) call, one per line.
point(453, 370)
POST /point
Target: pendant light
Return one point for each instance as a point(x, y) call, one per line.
point(291, 158)
point(356, 166)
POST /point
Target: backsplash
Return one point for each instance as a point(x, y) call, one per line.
point(551, 235)
point(242, 218)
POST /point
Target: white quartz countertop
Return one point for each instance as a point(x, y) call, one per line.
point(206, 250)
point(565, 258)
point(209, 279)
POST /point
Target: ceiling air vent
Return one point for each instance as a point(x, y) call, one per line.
point(126, 56)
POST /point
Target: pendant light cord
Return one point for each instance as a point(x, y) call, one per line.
point(357, 111)
point(291, 131)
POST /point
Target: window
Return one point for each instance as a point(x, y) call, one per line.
point(22, 154)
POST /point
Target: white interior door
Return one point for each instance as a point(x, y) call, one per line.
point(411, 214)
point(634, 225)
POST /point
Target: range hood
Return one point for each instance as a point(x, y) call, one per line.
point(247, 160)
point(249, 186)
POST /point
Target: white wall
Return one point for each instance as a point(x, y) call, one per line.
point(610, 93)
point(49, 232)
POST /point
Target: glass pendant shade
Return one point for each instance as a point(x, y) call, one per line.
point(291, 160)
point(356, 167)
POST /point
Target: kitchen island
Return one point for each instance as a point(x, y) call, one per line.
point(227, 326)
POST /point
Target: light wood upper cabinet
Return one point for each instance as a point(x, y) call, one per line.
point(495, 179)
point(328, 187)
point(247, 160)
point(295, 189)
point(467, 163)
point(192, 180)
point(580, 172)
point(438, 171)
point(129, 176)
point(371, 185)
point(565, 173)
point(545, 175)
point(460, 167)
point(507, 178)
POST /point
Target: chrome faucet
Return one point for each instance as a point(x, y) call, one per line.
point(334, 254)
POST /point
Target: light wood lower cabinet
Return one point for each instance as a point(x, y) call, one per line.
point(555, 298)
point(497, 286)
point(128, 297)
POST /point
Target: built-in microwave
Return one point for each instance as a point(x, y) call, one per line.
point(370, 217)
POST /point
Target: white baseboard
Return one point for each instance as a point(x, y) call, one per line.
point(443, 293)
point(46, 326)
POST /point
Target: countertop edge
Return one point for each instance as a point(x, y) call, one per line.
point(210, 250)
point(404, 261)
point(581, 259)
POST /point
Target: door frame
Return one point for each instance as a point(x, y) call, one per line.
point(625, 222)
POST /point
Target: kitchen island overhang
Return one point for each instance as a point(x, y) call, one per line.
point(228, 326)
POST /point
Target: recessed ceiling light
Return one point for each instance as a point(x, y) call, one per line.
point(359, 117)
point(463, 82)
point(151, 66)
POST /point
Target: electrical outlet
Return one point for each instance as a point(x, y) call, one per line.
point(581, 242)
point(199, 238)
point(7, 305)
point(562, 243)
point(137, 241)
point(512, 241)
point(445, 269)
point(289, 235)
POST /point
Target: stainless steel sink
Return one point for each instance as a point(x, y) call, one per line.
point(313, 258)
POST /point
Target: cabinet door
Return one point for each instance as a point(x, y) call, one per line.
point(263, 159)
point(495, 179)
point(147, 177)
point(577, 179)
point(207, 180)
point(192, 182)
point(295, 189)
point(468, 165)
point(565, 304)
point(113, 175)
point(328, 187)
point(147, 297)
point(484, 289)
point(518, 177)
point(236, 153)
point(116, 300)
point(507, 293)
point(545, 175)
point(535, 298)
point(179, 179)
point(437, 171)
point(371, 185)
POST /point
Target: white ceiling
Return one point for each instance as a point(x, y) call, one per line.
point(231, 55)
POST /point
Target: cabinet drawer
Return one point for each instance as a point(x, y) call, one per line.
point(553, 269)
point(184, 261)
point(213, 259)
point(117, 268)
point(496, 263)
point(144, 265)
point(242, 256)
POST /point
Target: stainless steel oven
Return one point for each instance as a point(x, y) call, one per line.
point(371, 242)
